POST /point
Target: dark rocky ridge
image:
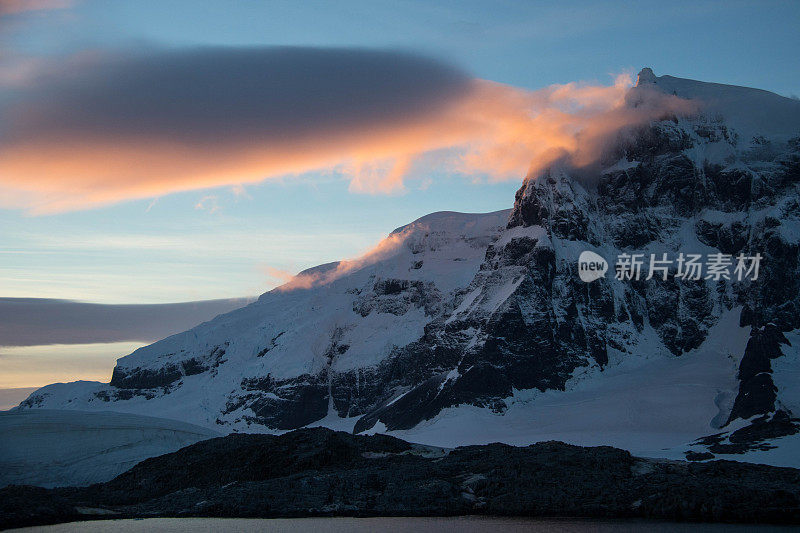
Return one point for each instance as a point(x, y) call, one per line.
point(318, 472)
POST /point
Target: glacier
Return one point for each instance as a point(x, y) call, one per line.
point(52, 448)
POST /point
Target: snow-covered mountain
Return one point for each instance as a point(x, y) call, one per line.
point(472, 328)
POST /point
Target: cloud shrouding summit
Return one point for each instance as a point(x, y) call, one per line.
point(101, 128)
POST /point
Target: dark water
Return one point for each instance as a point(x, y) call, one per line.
point(464, 524)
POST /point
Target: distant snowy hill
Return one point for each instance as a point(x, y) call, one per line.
point(463, 328)
point(56, 448)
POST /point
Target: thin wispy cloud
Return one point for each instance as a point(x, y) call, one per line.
point(122, 126)
point(39, 321)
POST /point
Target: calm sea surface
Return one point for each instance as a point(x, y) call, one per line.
point(467, 524)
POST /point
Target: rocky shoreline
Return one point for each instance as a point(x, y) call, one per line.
point(319, 472)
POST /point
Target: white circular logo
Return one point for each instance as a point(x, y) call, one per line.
point(591, 266)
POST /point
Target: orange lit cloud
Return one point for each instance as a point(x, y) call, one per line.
point(283, 276)
point(108, 129)
point(328, 273)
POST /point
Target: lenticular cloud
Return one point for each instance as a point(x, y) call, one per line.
point(97, 129)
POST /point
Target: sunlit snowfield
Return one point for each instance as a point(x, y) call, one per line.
point(463, 524)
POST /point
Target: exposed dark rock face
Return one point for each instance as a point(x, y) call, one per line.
point(283, 404)
point(756, 436)
point(698, 456)
point(167, 375)
point(146, 379)
point(397, 296)
point(324, 473)
point(757, 393)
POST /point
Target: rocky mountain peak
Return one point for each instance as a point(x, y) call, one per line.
point(645, 76)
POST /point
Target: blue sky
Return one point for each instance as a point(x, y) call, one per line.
point(219, 242)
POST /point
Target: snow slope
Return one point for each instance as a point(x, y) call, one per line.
point(52, 448)
point(352, 310)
